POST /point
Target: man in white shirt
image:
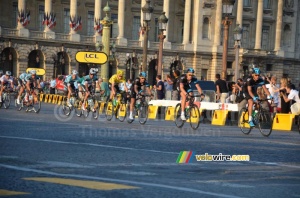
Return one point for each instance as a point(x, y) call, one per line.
point(52, 85)
point(293, 96)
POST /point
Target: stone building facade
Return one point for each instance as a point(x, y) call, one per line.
point(194, 36)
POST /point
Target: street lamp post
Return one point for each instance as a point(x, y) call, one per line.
point(237, 32)
point(106, 22)
point(147, 12)
point(227, 10)
point(162, 25)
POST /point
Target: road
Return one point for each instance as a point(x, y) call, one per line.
point(50, 155)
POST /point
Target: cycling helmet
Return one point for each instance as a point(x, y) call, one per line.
point(190, 70)
point(256, 71)
point(143, 74)
point(120, 73)
point(92, 71)
point(32, 72)
point(74, 72)
point(8, 73)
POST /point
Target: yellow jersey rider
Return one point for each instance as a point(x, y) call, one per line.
point(114, 82)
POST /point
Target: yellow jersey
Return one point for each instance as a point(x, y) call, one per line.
point(114, 79)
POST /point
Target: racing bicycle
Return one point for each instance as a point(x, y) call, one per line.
point(262, 119)
point(32, 104)
point(191, 112)
point(140, 109)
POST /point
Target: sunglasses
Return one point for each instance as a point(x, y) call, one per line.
point(142, 78)
point(190, 74)
point(120, 76)
point(256, 75)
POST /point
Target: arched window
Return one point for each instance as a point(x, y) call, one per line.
point(206, 32)
point(287, 36)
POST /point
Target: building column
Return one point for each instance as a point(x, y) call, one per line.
point(97, 16)
point(23, 32)
point(259, 22)
point(73, 14)
point(218, 20)
point(278, 26)
point(166, 8)
point(48, 9)
point(187, 25)
point(121, 16)
point(239, 17)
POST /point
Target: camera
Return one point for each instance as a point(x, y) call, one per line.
point(282, 91)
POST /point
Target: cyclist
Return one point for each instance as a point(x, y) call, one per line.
point(185, 85)
point(6, 81)
point(71, 83)
point(137, 89)
point(87, 84)
point(115, 82)
point(250, 91)
point(30, 81)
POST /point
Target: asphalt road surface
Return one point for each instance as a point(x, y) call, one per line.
point(50, 155)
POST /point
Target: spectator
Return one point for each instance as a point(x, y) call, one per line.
point(293, 96)
point(104, 89)
point(52, 85)
point(274, 91)
point(160, 88)
point(129, 84)
point(169, 83)
point(261, 94)
point(176, 82)
point(222, 89)
point(285, 106)
point(290, 82)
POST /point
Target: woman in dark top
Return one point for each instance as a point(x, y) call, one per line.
point(285, 106)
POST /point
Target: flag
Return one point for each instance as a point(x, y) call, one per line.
point(141, 31)
point(52, 22)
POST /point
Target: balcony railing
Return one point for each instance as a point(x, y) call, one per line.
point(87, 39)
point(177, 46)
point(9, 32)
point(133, 43)
point(63, 37)
point(37, 34)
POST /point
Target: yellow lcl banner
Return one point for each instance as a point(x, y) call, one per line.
point(39, 71)
point(91, 57)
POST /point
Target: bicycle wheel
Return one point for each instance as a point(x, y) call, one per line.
point(77, 108)
point(143, 113)
point(177, 112)
point(36, 103)
point(128, 114)
point(244, 121)
point(95, 111)
point(264, 122)
point(65, 108)
point(298, 123)
point(109, 111)
point(194, 117)
point(19, 106)
point(6, 100)
point(87, 110)
point(122, 112)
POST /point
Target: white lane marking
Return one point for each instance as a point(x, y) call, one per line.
point(119, 181)
point(136, 149)
point(89, 144)
point(139, 173)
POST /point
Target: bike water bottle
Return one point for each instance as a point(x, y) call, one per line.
point(30, 97)
point(254, 113)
